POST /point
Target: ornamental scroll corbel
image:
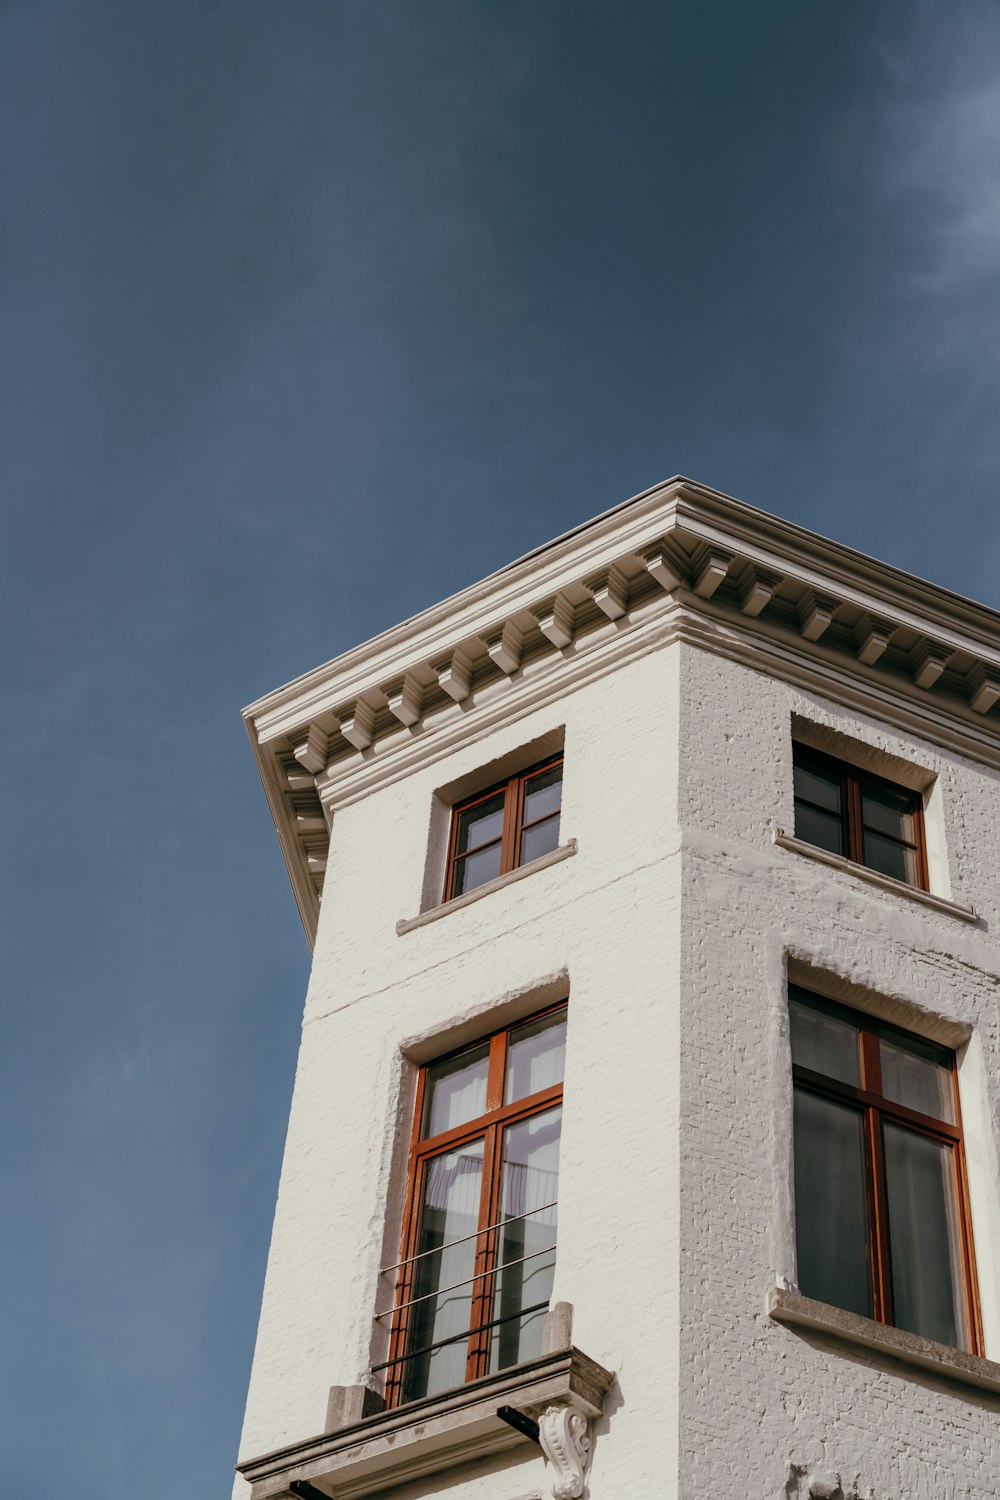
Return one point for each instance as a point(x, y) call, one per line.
point(564, 1435)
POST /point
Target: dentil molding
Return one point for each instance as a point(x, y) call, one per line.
point(678, 562)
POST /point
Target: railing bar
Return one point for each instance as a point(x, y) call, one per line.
point(457, 1338)
point(436, 1249)
point(443, 1290)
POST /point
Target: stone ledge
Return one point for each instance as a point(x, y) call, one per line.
point(952, 1364)
point(554, 857)
point(428, 1436)
point(874, 877)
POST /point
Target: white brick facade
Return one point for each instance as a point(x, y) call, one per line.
point(672, 928)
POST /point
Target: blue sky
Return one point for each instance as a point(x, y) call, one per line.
point(315, 311)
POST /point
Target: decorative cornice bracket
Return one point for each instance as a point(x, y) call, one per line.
point(929, 661)
point(564, 1435)
point(756, 589)
point(710, 572)
point(504, 650)
point(558, 622)
point(406, 702)
point(455, 675)
point(658, 566)
point(311, 751)
point(816, 612)
point(983, 688)
point(610, 593)
point(871, 639)
point(358, 726)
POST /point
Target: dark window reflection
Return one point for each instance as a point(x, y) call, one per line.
point(924, 1236)
point(831, 1215)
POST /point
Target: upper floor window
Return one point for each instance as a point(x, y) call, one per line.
point(881, 1208)
point(503, 828)
point(479, 1238)
point(847, 811)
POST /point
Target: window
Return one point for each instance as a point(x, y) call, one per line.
point(881, 1205)
point(863, 817)
point(503, 828)
point(479, 1236)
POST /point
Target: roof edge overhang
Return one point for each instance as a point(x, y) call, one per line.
point(679, 560)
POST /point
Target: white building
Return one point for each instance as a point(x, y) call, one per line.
point(763, 922)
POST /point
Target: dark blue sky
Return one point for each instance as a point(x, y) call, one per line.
point(315, 311)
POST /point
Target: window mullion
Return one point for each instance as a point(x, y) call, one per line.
point(855, 830)
point(977, 1337)
point(920, 837)
point(495, 1074)
point(400, 1325)
point(878, 1230)
point(871, 1057)
point(971, 1280)
point(881, 1265)
point(449, 869)
point(517, 813)
point(482, 1293)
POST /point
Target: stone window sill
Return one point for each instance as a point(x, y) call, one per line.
point(874, 877)
point(554, 857)
point(428, 1436)
point(952, 1364)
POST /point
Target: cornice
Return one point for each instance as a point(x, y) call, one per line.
point(679, 561)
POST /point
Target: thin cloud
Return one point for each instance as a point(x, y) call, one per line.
point(939, 163)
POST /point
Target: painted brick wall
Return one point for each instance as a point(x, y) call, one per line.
point(602, 924)
point(762, 1405)
point(672, 927)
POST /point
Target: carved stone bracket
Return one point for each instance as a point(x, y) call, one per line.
point(564, 1435)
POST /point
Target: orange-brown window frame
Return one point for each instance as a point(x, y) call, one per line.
point(489, 1126)
point(853, 780)
point(875, 1109)
point(513, 821)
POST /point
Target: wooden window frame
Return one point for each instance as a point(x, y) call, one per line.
point(875, 1109)
point(853, 780)
point(489, 1126)
point(514, 827)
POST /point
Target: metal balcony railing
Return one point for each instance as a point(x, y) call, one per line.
point(497, 1269)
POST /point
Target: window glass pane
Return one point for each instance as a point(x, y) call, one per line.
point(535, 1056)
point(823, 1041)
point(915, 1074)
point(543, 794)
point(480, 824)
point(890, 859)
point(818, 785)
point(455, 1091)
point(924, 1242)
point(449, 1211)
point(539, 840)
point(819, 828)
point(526, 1255)
point(887, 810)
point(831, 1211)
point(475, 869)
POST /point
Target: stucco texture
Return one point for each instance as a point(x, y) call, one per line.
point(673, 929)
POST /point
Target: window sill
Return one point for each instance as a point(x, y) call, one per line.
point(554, 857)
point(428, 1436)
point(874, 877)
point(910, 1348)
